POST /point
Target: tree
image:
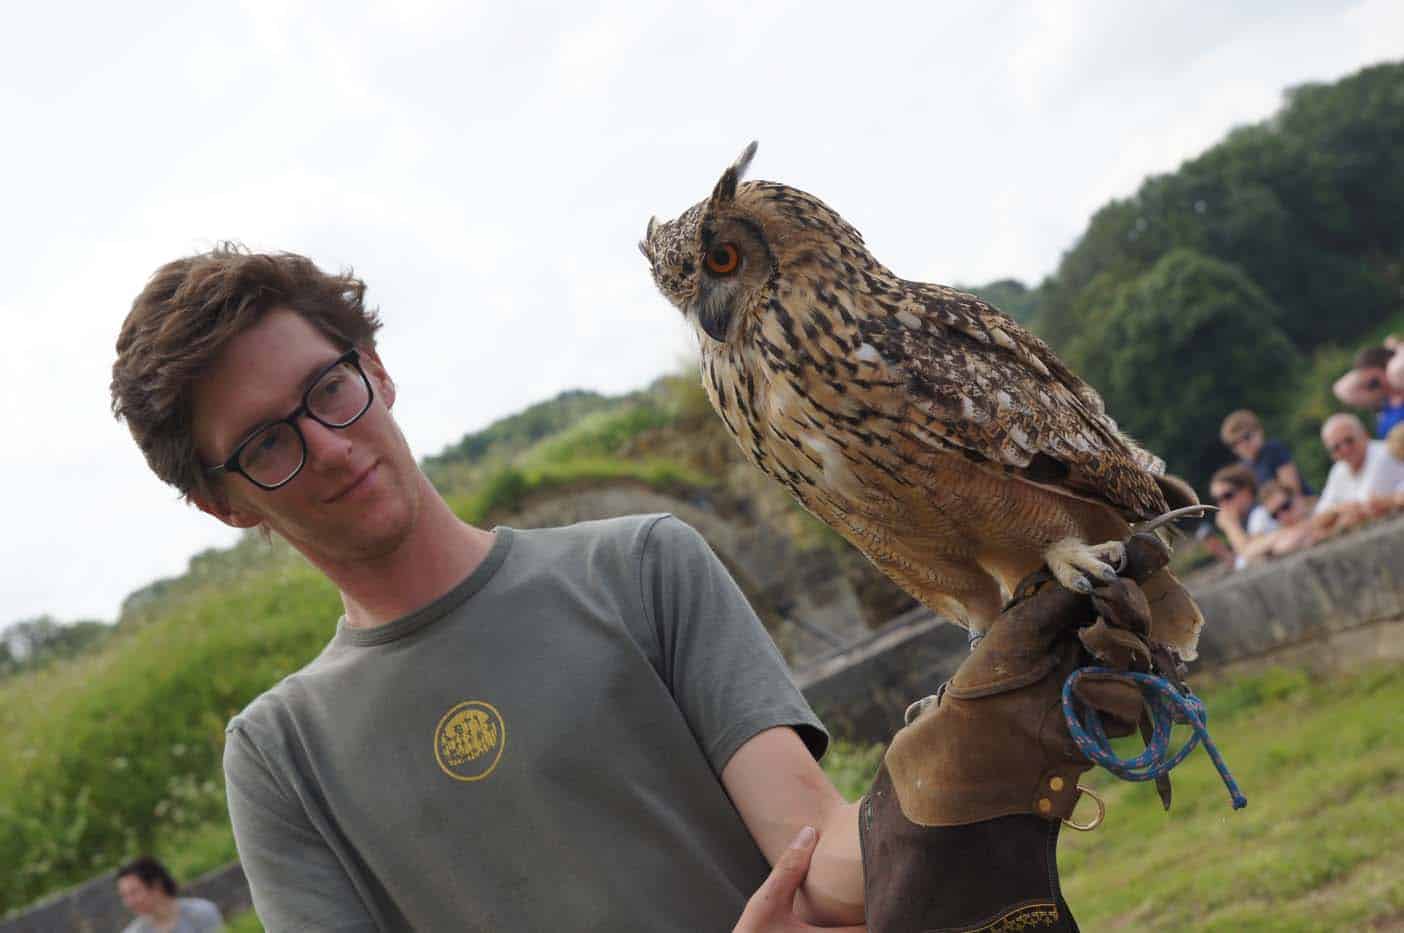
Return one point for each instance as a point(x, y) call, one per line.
point(1185, 344)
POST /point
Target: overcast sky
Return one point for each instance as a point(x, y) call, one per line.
point(489, 167)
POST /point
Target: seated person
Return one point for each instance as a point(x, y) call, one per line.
point(1376, 382)
point(1242, 433)
point(149, 891)
point(1292, 513)
point(1363, 468)
point(1234, 490)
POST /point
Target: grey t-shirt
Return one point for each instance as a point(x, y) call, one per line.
point(194, 915)
point(538, 749)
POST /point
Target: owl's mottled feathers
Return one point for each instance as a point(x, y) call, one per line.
point(939, 436)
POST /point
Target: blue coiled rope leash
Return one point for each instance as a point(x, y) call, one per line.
point(1167, 707)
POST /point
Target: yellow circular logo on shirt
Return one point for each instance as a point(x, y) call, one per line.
point(469, 739)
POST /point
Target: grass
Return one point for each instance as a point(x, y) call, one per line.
point(118, 752)
point(507, 489)
point(1316, 849)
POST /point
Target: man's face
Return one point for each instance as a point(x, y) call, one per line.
point(357, 495)
point(136, 896)
point(1346, 444)
point(1247, 444)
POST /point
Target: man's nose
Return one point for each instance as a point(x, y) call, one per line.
point(326, 447)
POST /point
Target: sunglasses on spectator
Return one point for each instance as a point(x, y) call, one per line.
point(1242, 439)
point(1226, 495)
point(1282, 508)
point(1343, 442)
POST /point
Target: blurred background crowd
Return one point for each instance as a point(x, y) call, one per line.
point(1267, 508)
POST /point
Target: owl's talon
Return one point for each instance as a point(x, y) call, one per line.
point(1077, 565)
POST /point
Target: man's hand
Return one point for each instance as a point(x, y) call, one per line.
point(772, 908)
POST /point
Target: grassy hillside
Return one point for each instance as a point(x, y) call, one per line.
point(1317, 848)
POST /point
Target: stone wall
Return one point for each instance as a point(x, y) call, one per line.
point(1337, 604)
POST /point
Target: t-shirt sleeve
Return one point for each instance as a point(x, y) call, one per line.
point(1331, 495)
point(723, 669)
point(295, 878)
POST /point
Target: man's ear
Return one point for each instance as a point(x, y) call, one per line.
point(375, 371)
point(218, 506)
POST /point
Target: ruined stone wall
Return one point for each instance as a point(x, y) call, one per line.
point(1336, 605)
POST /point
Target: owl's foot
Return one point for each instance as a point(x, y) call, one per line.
point(1076, 564)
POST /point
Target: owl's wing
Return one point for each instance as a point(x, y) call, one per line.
point(977, 382)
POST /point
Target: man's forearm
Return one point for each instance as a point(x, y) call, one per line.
point(833, 890)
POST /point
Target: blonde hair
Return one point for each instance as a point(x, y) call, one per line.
point(1238, 423)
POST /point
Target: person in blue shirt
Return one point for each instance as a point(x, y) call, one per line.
point(1368, 385)
point(1243, 433)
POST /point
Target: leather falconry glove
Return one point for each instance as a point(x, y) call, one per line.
point(960, 829)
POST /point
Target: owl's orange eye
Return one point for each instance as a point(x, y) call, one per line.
point(723, 259)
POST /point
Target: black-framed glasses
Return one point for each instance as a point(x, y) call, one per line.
point(1282, 508)
point(275, 453)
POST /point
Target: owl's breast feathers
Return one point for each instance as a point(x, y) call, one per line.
point(859, 390)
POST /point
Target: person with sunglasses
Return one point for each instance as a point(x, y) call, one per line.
point(1376, 383)
point(1291, 513)
point(1364, 469)
point(1242, 433)
point(1234, 490)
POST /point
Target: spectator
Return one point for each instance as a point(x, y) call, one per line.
point(1234, 489)
point(1242, 433)
point(1368, 385)
point(1291, 511)
point(149, 891)
point(1363, 469)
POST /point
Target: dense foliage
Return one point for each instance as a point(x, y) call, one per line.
point(1296, 223)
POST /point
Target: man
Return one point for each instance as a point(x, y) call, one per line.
point(1376, 382)
point(583, 727)
point(1269, 460)
point(1363, 468)
point(148, 890)
point(578, 728)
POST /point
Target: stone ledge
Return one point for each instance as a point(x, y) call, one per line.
point(1304, 603)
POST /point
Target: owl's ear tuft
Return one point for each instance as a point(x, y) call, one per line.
point(726, 187)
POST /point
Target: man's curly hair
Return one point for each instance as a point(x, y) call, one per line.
point(188, 312)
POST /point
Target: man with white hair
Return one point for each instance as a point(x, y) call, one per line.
point(1364, 469)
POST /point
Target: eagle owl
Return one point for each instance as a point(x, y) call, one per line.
point(937, 435)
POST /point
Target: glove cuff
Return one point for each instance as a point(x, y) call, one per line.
point(995, 874)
